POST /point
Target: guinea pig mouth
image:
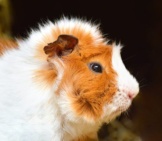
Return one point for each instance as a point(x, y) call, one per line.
point(120, 103)
point(124, 105)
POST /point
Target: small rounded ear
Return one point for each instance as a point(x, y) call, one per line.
point(64, 45)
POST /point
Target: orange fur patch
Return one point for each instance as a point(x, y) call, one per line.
point(90, 91)
point(7, 44)
point(83, 37)
point(46, 76)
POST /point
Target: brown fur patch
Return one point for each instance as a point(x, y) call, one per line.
point(7, 44)
point(64, 45)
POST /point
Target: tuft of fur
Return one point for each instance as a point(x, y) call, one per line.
point(50, 92)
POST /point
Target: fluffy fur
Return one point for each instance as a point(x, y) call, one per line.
point(49, 92)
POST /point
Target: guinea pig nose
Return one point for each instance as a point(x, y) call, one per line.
point(131, 95)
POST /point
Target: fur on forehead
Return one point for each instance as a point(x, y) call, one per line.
point(86, 32)
point(88, 35)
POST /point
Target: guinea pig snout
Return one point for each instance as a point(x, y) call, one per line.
point(126, 82)
point(130, 91)
point(130, 88)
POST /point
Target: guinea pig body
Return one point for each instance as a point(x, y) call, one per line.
point(62, 83)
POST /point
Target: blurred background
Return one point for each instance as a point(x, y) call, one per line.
point(137, 24)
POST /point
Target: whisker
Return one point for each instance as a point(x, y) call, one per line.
point(128, 58)
point(143, 83)
point(140, 81)
point(127, 114)
point(143, 86)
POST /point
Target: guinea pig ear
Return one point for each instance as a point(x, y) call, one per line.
point(64, 45)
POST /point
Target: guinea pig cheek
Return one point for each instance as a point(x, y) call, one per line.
point(91, 94)
point(90, 104)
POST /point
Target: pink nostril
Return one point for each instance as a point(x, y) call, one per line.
point(130, 95)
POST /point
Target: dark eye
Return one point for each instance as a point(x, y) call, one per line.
point(96, 67)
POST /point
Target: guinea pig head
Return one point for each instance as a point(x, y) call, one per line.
point(94, 84)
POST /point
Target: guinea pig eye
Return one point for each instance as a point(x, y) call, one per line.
point(96, 67)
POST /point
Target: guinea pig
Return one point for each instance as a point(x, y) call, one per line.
point(62, 83)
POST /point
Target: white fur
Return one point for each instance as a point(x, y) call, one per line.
point(126, 82)
point(128, 87)
point(25, 111)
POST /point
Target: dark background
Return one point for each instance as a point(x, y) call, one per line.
point(137, 24)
